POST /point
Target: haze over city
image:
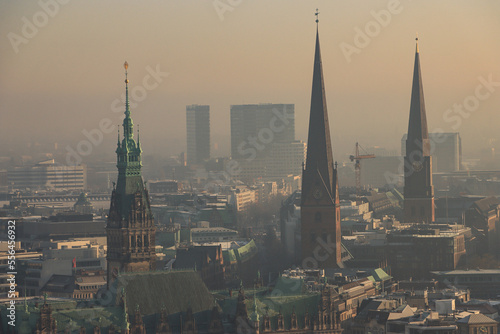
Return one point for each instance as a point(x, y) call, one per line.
point(65, 77)
point(250, 166)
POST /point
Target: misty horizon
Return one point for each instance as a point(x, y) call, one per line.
point(68, 76)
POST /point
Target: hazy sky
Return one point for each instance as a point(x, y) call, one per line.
point(65, 76)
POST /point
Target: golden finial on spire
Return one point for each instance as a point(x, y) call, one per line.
point(317, 16)
point(126, 73)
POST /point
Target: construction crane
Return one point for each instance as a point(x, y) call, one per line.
point(357, 167)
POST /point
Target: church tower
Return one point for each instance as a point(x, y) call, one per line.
point(320, 208)
point(418, 189)
point(130, 227)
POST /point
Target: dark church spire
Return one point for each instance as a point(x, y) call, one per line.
point(418, 189)
point(319, 147)
point(320, 208)
point(418, 137)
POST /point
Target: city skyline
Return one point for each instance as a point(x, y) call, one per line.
point(70, 63)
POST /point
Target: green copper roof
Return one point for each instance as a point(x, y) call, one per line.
point(173, 290)
point(68, 315)
point(273, 303)
point(380, 275)
point(289, 286)
point(229, 256)
point(246, 252)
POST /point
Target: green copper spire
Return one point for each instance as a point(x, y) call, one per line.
point(138, 140)
point(128, 125)
point(128, 158)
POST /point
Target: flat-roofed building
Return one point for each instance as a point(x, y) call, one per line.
point(213, 234)
point(263, 141)
point(482, 283)
point(48, 175)
point(416, 252)
point(198, 133)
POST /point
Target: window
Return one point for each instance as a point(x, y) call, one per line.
point(413, 211)
point(317, 217)
point(313, 237)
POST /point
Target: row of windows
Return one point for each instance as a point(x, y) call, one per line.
point(131, 158)
point(83, 295)
point(89, 287)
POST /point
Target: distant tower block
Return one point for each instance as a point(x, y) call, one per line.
point(198, 134)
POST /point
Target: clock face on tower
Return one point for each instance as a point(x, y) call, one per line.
point(417, 166)
point(317, 193)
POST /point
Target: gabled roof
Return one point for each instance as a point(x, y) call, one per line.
point(60, 283)
point(174, 290)
point(486, 204)
point(477, 319)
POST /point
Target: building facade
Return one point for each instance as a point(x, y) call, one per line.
point(415, 253)
point(263, 141)
point(48, 175)
point(198, 133)
point(445, 150)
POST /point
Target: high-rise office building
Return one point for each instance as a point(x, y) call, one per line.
point(198, 133)
point(263, 141)
point(445, 150)
point(418, 189)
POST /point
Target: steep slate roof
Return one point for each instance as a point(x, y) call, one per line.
point(195, 256)
point(477, 319)
point(176, 291)
point(60, 283)
point(418, 137)
point(486, 204)
point(274, 303)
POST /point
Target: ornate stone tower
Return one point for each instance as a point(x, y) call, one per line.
point(130, 229)
point(320, 209)
point(418, 189)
